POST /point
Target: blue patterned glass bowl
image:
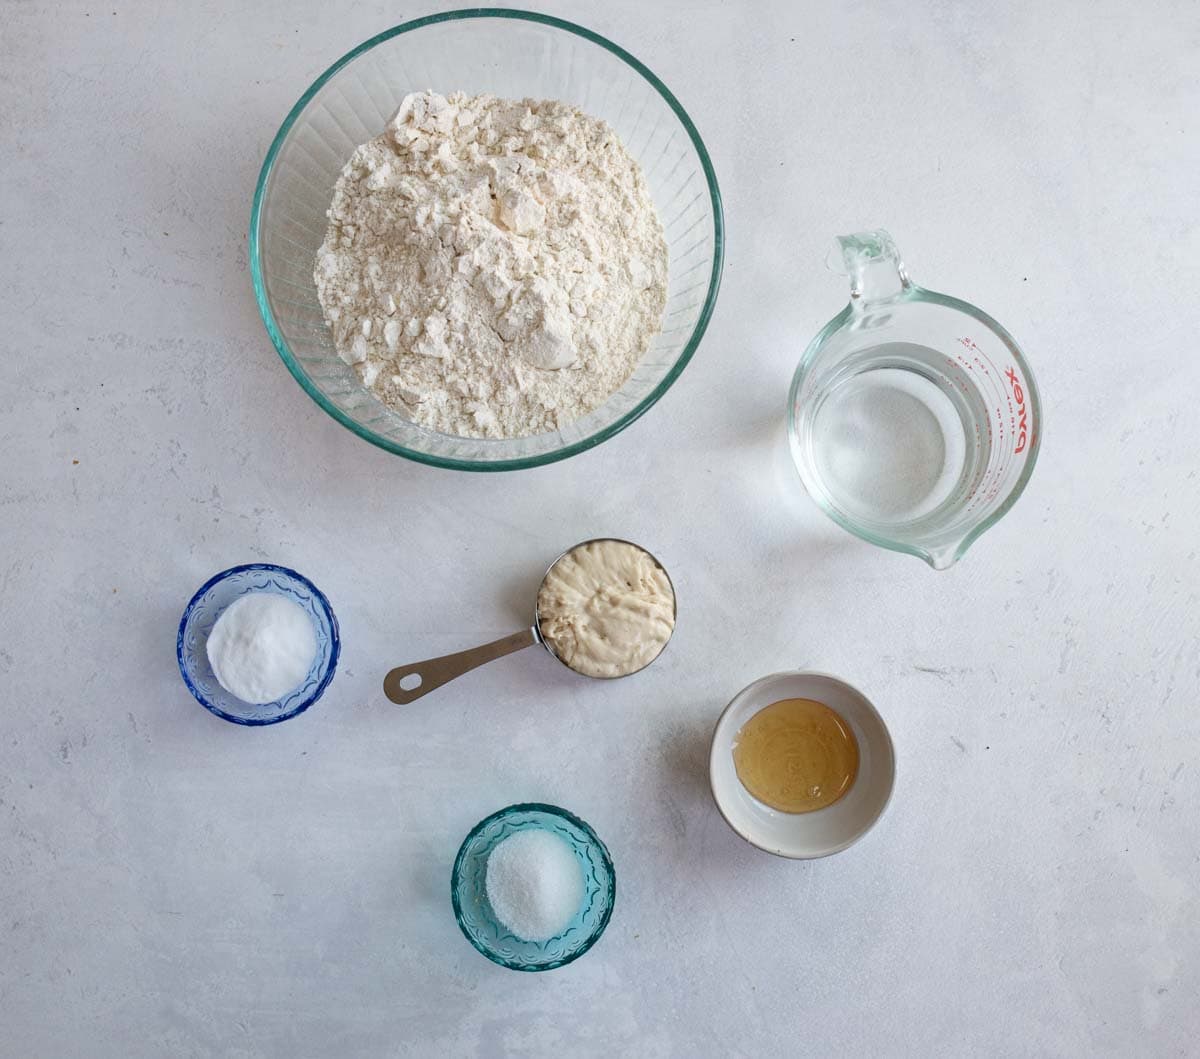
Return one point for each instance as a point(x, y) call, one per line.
point(206, 607)
point(468, 890)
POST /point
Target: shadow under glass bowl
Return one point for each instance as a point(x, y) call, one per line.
point(468, 889)
point(210, 602)
point(513, 54)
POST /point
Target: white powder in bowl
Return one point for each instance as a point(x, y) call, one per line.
point(534, 884)
point(262, 647)
point(492, 267)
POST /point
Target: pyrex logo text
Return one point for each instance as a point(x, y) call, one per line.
point(1022, 420)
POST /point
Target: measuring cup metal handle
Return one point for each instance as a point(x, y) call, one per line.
point(434, 672)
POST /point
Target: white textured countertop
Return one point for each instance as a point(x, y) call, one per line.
point(173, 885)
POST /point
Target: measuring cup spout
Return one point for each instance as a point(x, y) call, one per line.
point(944, 556)
point(874, 266)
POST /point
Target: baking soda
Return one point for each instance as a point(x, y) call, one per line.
point(262, 647)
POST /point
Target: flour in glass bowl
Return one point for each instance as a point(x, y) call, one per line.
point(492, 267)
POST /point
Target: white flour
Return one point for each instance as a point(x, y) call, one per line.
point(492, 268)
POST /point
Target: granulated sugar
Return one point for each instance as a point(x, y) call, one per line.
point(534, 884)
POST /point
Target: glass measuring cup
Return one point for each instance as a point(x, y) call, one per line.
point(913, 419)
point(424, 677)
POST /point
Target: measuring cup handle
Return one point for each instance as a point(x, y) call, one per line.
point(874, 266)
point(434, 672)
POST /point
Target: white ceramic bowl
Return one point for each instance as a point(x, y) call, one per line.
point(805, 836)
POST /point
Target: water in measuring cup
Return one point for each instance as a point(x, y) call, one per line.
point(893, 439)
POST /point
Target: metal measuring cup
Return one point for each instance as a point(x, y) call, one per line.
point(434, 672)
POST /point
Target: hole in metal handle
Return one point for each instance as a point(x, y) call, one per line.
point(411, 681)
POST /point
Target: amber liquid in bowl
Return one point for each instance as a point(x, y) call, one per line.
point(796, 756)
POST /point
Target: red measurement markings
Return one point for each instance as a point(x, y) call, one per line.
point(1022, 418)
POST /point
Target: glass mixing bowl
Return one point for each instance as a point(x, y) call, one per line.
point(514, 54)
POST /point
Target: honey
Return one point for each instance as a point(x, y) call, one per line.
point(796, 755)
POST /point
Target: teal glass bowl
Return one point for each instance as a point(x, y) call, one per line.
point(513, 54)
point(468, 890)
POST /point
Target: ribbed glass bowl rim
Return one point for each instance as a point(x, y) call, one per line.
point(550, 810)
point(335, 643)
point(714, 283)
